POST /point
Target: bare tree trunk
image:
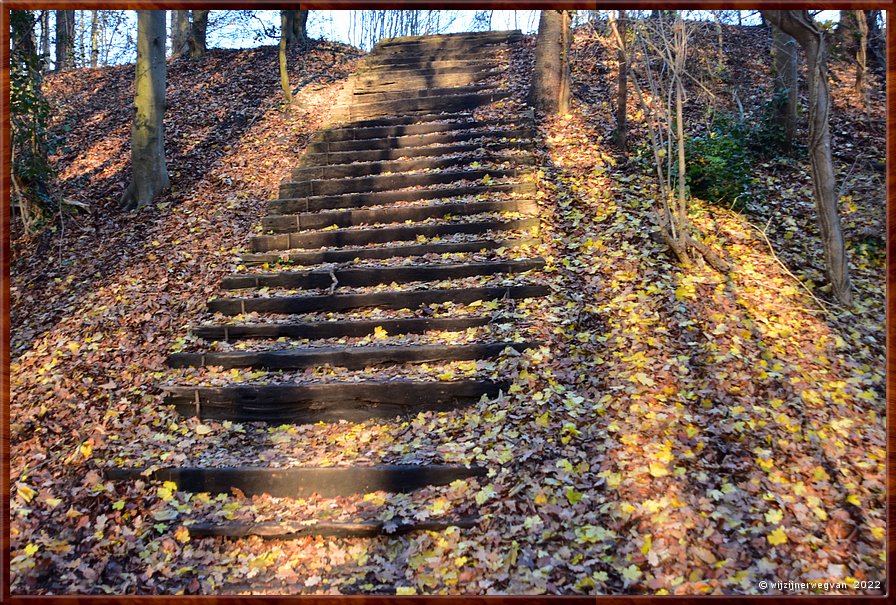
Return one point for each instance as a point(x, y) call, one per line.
point(284, 74)
point(94, 38)
point(550, 81)
point(861, 59)
point(197, 34)
point(786, 83)
point(44, 39)
point(150, 174)
point(799, 24)
point(180, 33)
point(65, 40)
point(621, 131)
point(295, 27)
point(876, 42)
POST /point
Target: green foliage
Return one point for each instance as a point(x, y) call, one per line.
point(29, 119)
point(718, 164)
point(767, 137)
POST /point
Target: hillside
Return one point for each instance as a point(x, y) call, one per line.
point(670, 416)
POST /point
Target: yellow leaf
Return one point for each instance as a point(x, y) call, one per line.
point(25, 493)
point(613, 480)
point(202, 429)
point(31, 549)
point(658, 470)
point(540, 498)
point(648, 542)
point(854, 500)
point(878, 533)
point(573, 496)
point(405, 590)
point(774, 516)
point(777, 537)
point(182, 534)
point(86, 449)
point(53, 502)
point(380, 333)
point(543, 420)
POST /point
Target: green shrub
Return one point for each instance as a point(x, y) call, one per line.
point(718, 164)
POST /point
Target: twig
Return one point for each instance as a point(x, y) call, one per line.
point(821, 304)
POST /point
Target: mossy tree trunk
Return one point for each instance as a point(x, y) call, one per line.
point(786, 83)
point(180, 33)
point(65, 40)
point(149, 172)
point(197, 34)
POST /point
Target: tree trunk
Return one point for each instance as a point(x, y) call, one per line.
point(799, 24)
point(45, 39)
point(197, 34)
point(861, 59)
point(876, 42)
point(786, 83)
point(180, 33)
point(284, 35)
point(65, 40)
point(150, 175)
point(94, 38)
point(294, 27)
point(620, 134)
point(549, 91)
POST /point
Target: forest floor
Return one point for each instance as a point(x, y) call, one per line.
point(681, 431)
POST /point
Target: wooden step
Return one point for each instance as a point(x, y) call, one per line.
point(419, 140)
point(284, 223)
point(372, 276)
point(341, 255)
point(362, 237)
point(420, 80)
point(377, 155)
point(337, 329)
point(425, 104)
point(328, 402)
point(400, 67)
point(376, 198)
point(379, 96)
point(436, 116)
point(384, 300)
point(302, 482)
point(389, 182)
point(409, 55)
point(381, 132)
point(352, 358)
point(438, 40)
point(291, 530)
point(338, 171)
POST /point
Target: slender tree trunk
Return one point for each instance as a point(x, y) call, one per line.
point(284, 74)
point(621, 132)
point(150, 174)
point(45, 39)
point(65, 40)
point(786, 83)
point(295, 27)
point(876, 42)
point(94, 38)
point(549, 91)
point(197, 34)
point(180, 33)
point(799, 24)
point(861, 59)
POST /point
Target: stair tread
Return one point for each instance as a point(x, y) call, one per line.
point(335, 329)
point(297, 482)
point(285, 530)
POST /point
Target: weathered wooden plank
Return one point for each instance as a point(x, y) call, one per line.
point(284, 223)
point(337, 329)
point(340, 255)
point(372, 276)
point(419, 140)
point(359, 200)
point(290, 530)
point(384, 300)
point(424, 104)
point(302, 482)
point(411, 82)
point(336, 171)
point(377, 155)
point(327, 402)
point(378, 96)
point(352, 358)
point(361, 237)
point(389, 182)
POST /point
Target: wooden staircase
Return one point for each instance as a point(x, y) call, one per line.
point(407, 164)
